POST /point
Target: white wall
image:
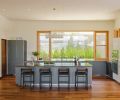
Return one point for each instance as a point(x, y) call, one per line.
point(27, 29)
point(5, 28)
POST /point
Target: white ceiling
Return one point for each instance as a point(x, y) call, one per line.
point(65, 9)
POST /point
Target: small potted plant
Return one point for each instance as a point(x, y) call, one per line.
point(35, 54)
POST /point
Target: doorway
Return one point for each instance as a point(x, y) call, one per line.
point(4, 56)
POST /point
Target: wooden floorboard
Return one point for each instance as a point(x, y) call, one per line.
point(102, 89)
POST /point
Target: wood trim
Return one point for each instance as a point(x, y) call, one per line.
point(50, 48)
point(107, 42)
point(107, 46)
point(46, 31)
point(4, 56)
point(38, 42)
point(43, 31)
point(99, 77)
point(118, 33)
point(94, 45)
point(101, 45)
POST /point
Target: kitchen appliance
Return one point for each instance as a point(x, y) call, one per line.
point(114, 63)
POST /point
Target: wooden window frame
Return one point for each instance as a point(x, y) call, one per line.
point(94, 47)
point(106, 45)
point(38, 42)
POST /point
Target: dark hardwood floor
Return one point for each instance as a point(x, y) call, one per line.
point(102, 89)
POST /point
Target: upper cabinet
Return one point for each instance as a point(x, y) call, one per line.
point(116, 39)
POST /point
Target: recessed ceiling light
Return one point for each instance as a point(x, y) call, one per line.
point(54, 9)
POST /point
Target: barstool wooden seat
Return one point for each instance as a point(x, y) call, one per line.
point(45, 72)
point(81, 73)
point(63, 72)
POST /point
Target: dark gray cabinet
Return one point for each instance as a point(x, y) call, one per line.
point(17, 54)
point(109, 71)
point(99, 68)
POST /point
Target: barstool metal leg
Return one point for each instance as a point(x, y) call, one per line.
point(23, 81)
point(87, 81)
point(58, 82)
point(68, 81)
point(75, 80)
point(30, 81)
point(51, 80)
point(33, 80)
point(40, 81)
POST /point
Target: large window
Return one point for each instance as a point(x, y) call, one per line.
point(68, 45)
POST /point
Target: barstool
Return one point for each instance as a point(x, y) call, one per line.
point(27, 76)
point(45, 72)
point(81, 73)
point(63, 72)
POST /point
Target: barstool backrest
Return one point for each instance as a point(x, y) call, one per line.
point(81, 71)
point(23, 70)
point(45, 70)
point(63, 71)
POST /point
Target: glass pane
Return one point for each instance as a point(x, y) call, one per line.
point(101, 39)
point(100, 51)
point(44, 45)
point(68, 45)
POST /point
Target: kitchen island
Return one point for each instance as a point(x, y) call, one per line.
point(54, 70)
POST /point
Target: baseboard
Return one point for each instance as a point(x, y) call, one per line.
point(56, 85)
point(7, 76)
point(99, 77)
point(10, 75)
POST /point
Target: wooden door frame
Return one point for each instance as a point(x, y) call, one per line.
point(6, 57)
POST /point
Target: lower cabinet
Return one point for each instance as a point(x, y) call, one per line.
point(109, 70)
